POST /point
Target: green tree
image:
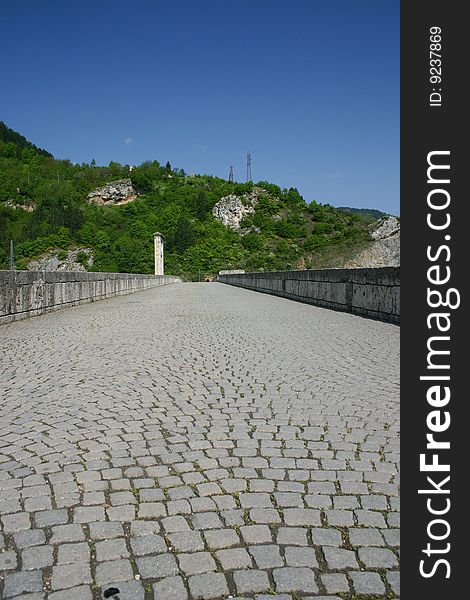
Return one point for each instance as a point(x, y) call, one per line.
point(9, 149)
point(184, 235)
point(252, 241)
point(102, 241)
point(201, 207)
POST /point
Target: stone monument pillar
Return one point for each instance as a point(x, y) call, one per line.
point(158, 240)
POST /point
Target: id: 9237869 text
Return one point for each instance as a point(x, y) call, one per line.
point(435, 66)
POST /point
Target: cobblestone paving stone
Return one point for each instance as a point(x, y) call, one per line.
point(199, 441)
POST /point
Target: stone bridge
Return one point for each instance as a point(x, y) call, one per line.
point(199, 441)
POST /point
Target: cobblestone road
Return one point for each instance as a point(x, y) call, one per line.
point(199, 441)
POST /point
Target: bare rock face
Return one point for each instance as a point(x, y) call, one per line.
point(231, 209)
point(117, 192)
point(388, 227)
point(384, 251)
point(54, 261)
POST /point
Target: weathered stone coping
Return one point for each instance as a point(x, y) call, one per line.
point(30, 293)
point(373, 293)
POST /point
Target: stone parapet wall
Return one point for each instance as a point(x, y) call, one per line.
point(373, 293)
point(30, 293)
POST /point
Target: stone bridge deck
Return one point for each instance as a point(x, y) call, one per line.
point(199, 441)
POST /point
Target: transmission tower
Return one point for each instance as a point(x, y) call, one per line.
point(248, 167)
point(230, 177)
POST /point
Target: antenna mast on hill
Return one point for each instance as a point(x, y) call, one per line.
point(248, 167)
point(230, 177)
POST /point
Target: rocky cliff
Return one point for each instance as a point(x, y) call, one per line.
point(231, 209)
point(120, 191)
point(386, 228)
point(384, 251)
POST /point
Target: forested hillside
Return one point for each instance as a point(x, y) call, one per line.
point(43, 206)
point(368, 214)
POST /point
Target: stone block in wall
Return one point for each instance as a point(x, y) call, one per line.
point(383, 299)
point(320, 290)
point(51, 277)
point(293, 287)
point(67, 292)
point(3, 300)
point(59, 292)
point(24, 298)
point(84, 288)
point(386, 276)
point(22, 277)
point(76, 291)
point(98, 291)
point(273, 283)
point(50, 296)
point(17, 298)
point(37, 295)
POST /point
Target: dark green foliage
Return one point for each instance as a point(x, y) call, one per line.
point(271, 188)
point(183, 236)
point(145, 175)
point(133, 255)
point(252, 241)
point(368, 214)
point(201, 207)
point(14, 144)
point(288, 230)
point(283, 233)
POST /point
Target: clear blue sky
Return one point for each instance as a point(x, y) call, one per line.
point(309, 87)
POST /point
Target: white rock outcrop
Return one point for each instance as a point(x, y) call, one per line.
point(384, 251)
point(386, 228)
point(231, 209)
point(116, 192)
